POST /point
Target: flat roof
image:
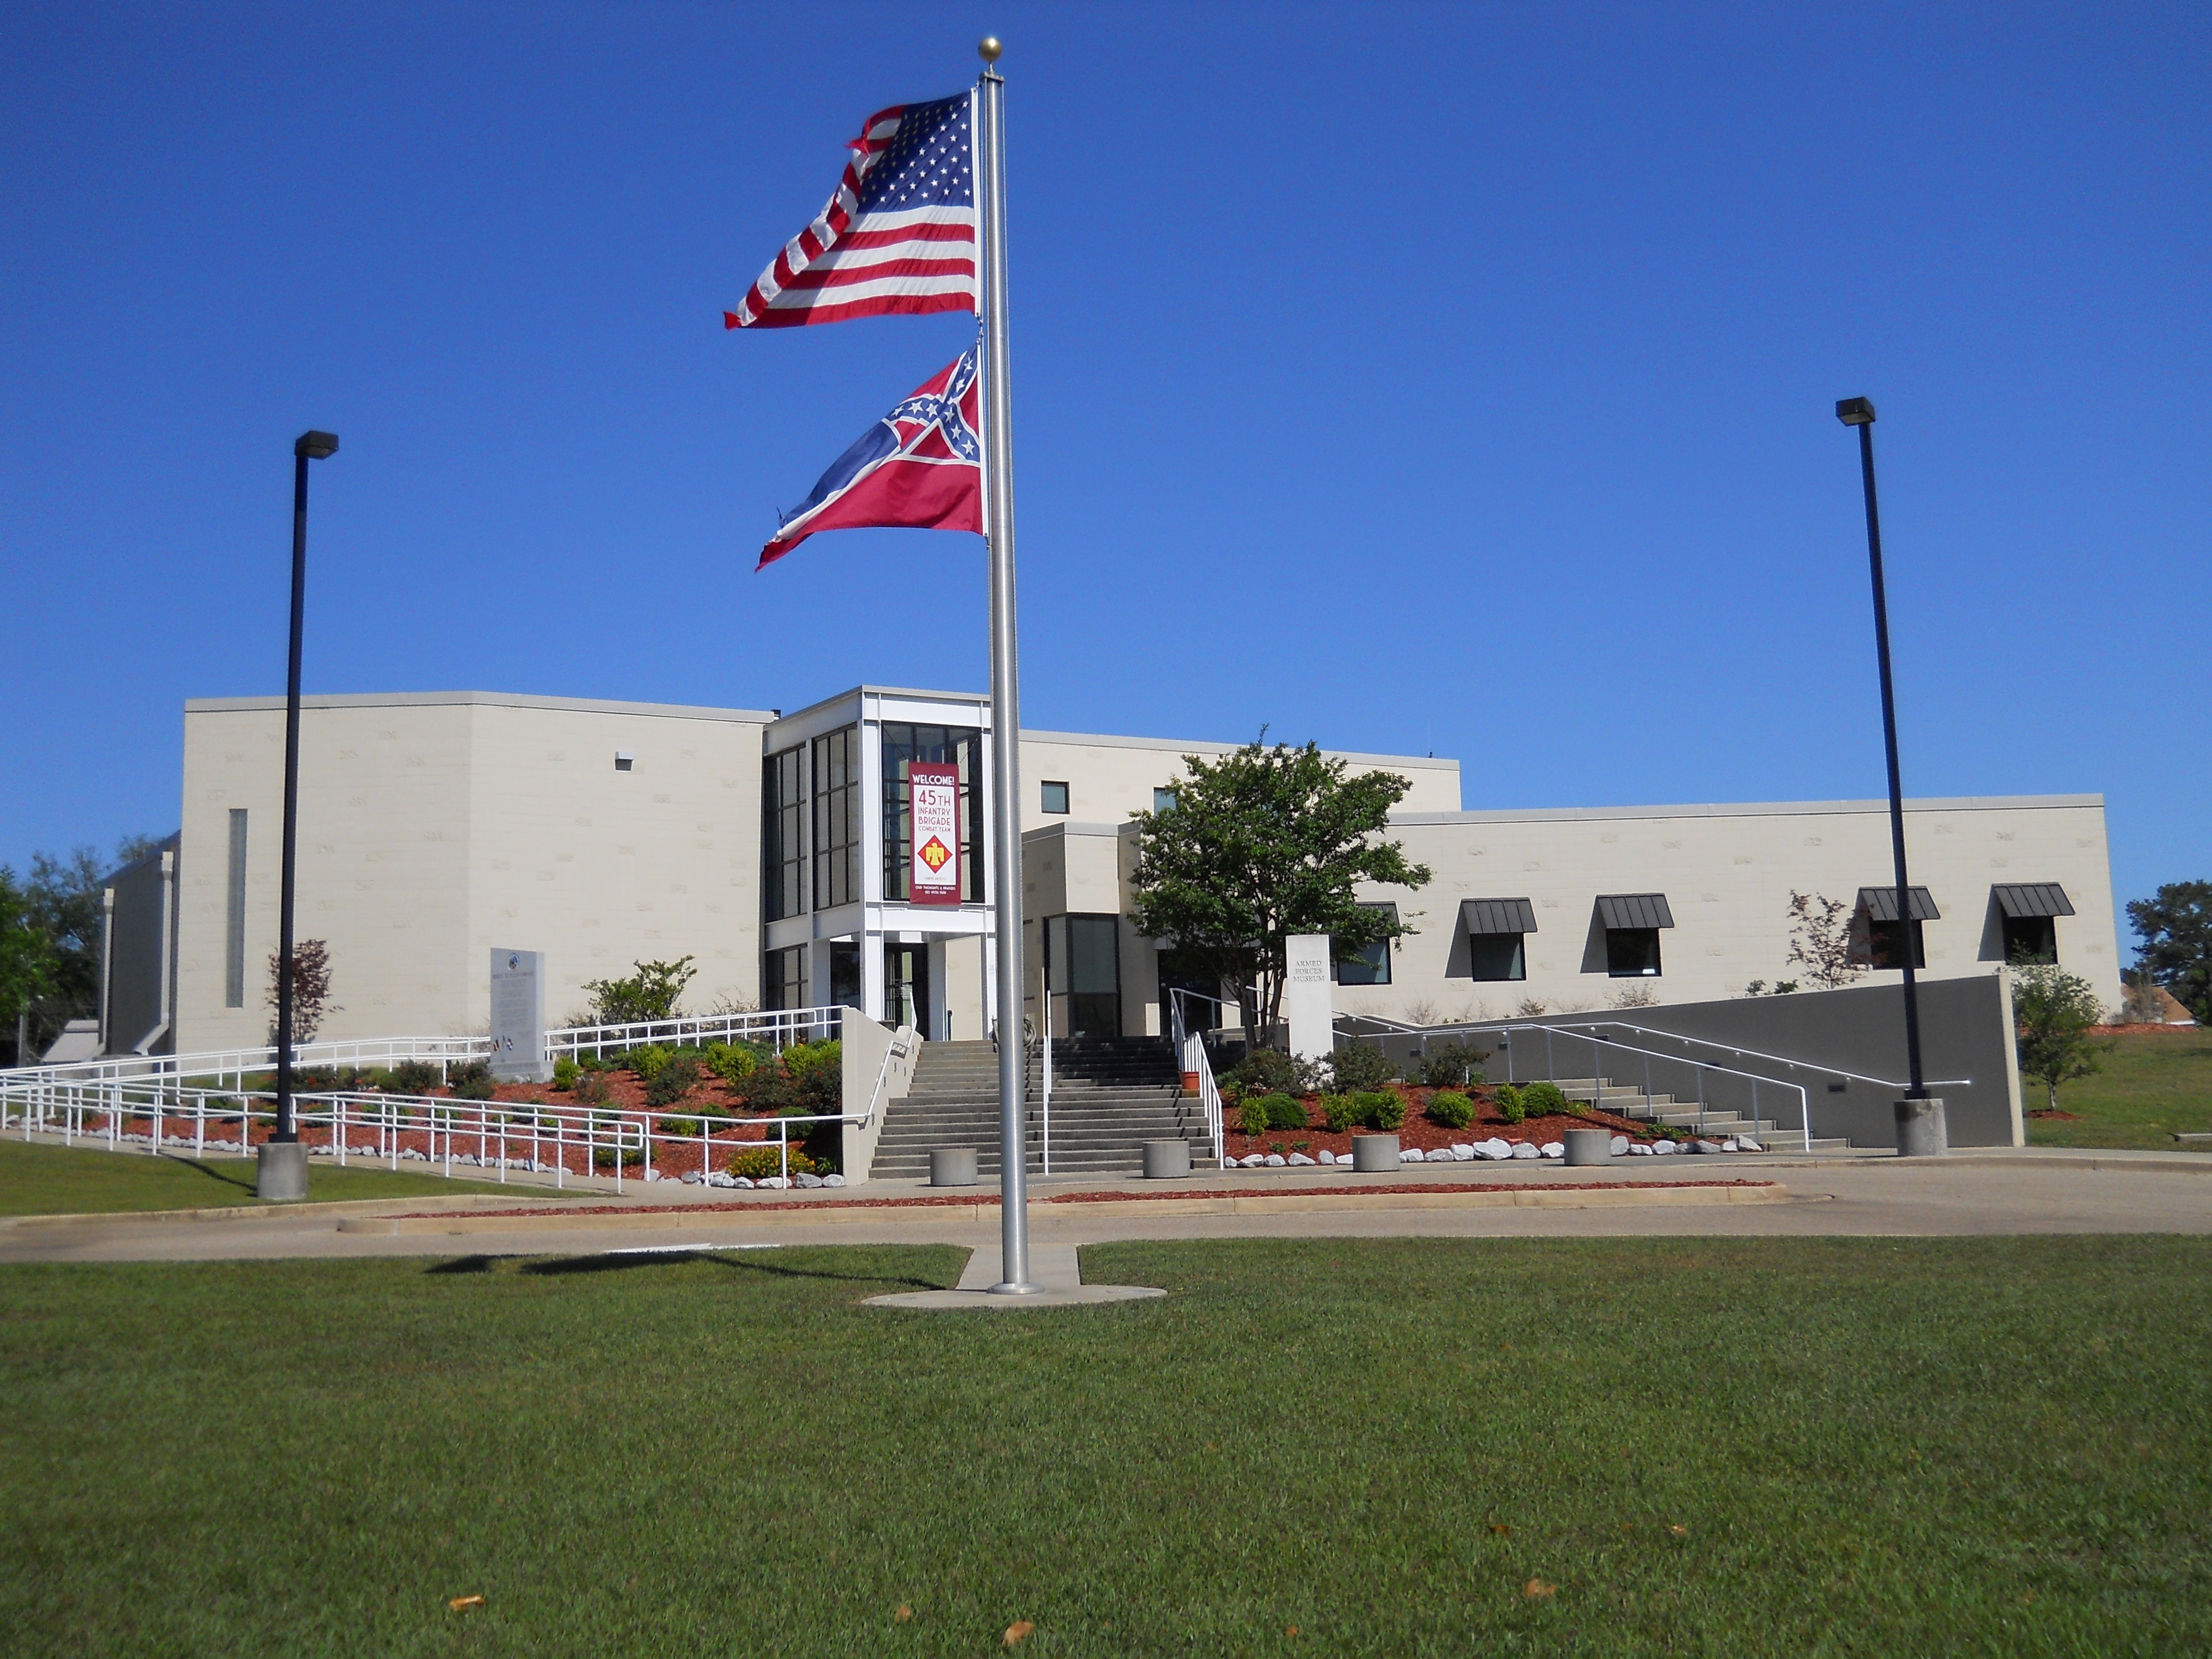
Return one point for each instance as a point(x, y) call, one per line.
point(488, 699)
point(1200, 746)
point(1751, 809)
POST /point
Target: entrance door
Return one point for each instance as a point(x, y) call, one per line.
point(906, 986)
point(1083, 962)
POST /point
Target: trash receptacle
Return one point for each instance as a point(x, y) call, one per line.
point(1372, 1152)
point(1588, 1147)
point(1165, 1160)
point(952, 1166)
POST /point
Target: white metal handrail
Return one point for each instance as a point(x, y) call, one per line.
point(1190, 1046)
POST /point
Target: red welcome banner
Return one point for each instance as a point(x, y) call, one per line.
point(934, 876)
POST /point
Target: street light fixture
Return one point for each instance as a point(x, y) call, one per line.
point(282, 1171)
point(1920, 1121)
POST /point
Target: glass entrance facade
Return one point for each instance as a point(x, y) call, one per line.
point(1083, 964)
point(943, 745)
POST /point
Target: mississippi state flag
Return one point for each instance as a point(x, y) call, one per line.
point(918, 468)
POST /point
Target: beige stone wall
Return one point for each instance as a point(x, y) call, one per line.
point(1110, 779)
point(1728, 872)
point(434, 827)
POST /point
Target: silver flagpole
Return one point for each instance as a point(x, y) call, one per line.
point(1006, 701)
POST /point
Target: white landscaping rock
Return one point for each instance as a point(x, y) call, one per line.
point(1462, 1153)
point(1554, 1149)
point(777, 1182)
point(1301, 1159)
point(1276, 1160)
point(1662, 1148)
point(1729, 1145)
point(1745, 1143)
point(1496, 1148)
point(733, 1181)
point(1706, 1145)
point(806, 1179)
point(1327, 1156)
point(1412, 1154)
point(1524, 1149)
point(833, 1181)
point(693, 1178)
point(1619, 1146)
point(1639, 1148)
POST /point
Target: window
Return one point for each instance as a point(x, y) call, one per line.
point(906, 986)
point(1631, 923)
point(945, 745)
point(233, 920)
point(783, 838)
point(1879, 936)
point(1631, 952)
point(844, 974)
point(783, 985)
point(2030, 939)
point(1163, 800)
point(1496, 933)
point(837, 818)
point(1054, 797)
point(1083, 964)
point(1370, 963)
point(622, 761)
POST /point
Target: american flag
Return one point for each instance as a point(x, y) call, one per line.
point(899, 236)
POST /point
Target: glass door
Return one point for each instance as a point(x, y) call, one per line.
point(906, 986)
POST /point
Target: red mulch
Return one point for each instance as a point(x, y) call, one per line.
point(2049, 1112)
point(2140, 1029)
point(834, 1200)
point(1421, 1131)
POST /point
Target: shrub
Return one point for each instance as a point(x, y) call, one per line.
point(647, 1060)
point(1452, 1064)
point(593, 1089)
point(603, 1158)
point(1509, 1104)
point(686, 1127)
point(734, 1062)
point(1381, 1109)
point(759, 1163)
point(805, 1059)
point(671, 1081)
point(412, 1076)
point(1264, 1071)
point(1340, 1112)
point(649, 993)
point(564, 1073)
point(1543, 1099)
point(1359, 1067)
point(1252, 1115)
point(1451, 1108)
point(1284, 1112)
point(471, 1081)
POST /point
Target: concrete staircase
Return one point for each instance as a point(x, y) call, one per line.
point(1110, 1096)
point(1717, 1125)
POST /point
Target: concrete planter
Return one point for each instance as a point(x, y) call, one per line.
point(1586, 1148)
point(1166, 1160)
point(1922, 1130)
point(282, 1175)
point(1375, 1152)
point(952, 1166)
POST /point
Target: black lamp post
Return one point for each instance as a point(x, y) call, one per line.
point(283, 1168)
point(1920, 1125)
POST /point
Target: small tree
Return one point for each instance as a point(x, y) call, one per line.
point(27, 973)
point(1820, 941)
point(649, 993)
point(2052, 1012)
point(1263, 843)
point(311, 987)
point(2176, 931)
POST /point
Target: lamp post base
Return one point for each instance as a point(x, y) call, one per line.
point(282, 1178)
point(1921, 1130)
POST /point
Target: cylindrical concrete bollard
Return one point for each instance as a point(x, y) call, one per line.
point(1922, 1131)
point(1370, 1152)
point(282, 1175)
point(1166, 1160)
point(1586, 1147)
point(952, 1166)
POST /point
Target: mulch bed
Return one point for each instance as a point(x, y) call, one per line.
point(1421, 1131)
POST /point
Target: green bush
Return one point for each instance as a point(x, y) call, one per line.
point(1451, 1108)
point(592, 1089)
point(1381, 1109)
point(1543, 1099)
point(647, 1060)
point(759, 1163)
point(412, 1076)
point(806, 1059)
point(673, 1079)
point(650, 993)
point(686, 1127)
point(564, 1072)
point(471, 1081)
point(1264, 1072)
point(603, 1158)
point(1510, 1106)
point(1359, 1067)
point(1284, 1112)
point(734, 1062)
point(1340, 1112)
point(1252, 1115)
point(1452, 1064)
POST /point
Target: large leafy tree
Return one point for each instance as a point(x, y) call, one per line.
point(2176, 931)
point(26, 963)
point(1263, 843)
point(50, 940)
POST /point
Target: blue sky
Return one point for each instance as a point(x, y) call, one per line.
point(1453, 379)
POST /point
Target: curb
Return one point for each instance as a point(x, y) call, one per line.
point(345, 1206)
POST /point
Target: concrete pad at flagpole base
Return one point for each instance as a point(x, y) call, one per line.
point(1053, 1270)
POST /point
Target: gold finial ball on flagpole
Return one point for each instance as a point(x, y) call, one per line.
point(988, 49)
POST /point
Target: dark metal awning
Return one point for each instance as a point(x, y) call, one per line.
point(1634, 910)
point(1498, 915)
point(2035, 898)
point(1881, 904)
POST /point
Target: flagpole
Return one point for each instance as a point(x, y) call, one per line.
point(1005, 700)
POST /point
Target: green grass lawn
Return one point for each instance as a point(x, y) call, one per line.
point(2153, 1086)
point(1880, 1447)
point(41, 1180)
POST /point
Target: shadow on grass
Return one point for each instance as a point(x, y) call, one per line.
point(243, 1183)
point(561, 1266)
